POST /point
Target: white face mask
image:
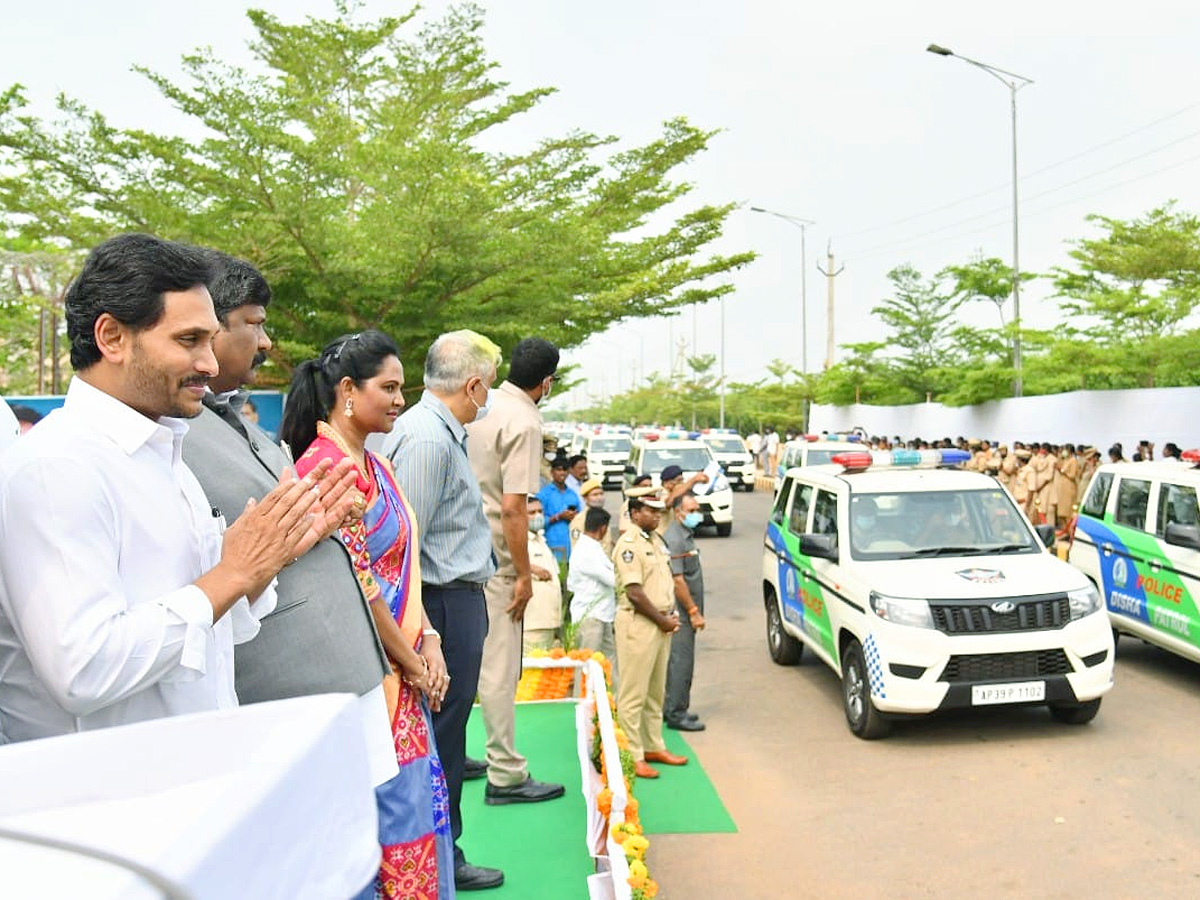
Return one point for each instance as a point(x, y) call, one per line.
point(482, 411)
point(537, 522)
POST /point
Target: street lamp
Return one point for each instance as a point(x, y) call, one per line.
point(801, 224)
point(1014, 83)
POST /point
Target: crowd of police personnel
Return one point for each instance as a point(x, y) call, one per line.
point(1047, 480)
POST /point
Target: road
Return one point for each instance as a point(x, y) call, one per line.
point(1003, 803)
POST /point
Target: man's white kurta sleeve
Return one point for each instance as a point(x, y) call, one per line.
point(89, 639)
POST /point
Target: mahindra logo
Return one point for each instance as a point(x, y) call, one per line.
point(1003, 606)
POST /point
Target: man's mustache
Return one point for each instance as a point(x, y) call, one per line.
point(259, 359)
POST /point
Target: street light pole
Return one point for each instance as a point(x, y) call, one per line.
point(802, 224)
point(1014, 83)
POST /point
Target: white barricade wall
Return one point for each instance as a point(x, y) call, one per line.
point(1100, 418)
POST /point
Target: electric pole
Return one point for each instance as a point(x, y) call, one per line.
point(830, 274)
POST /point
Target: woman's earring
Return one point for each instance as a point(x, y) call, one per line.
point(349, 410)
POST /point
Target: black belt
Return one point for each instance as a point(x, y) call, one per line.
point(457, 584)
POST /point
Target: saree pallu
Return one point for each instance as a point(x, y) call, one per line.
point(414, 806)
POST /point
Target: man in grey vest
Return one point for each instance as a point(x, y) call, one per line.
point(320, 638)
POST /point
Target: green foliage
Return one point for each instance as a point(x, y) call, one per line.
point(350, 170)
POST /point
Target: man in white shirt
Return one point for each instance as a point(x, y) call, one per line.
point(592, 579)
point(771, 453)
point(120, 599)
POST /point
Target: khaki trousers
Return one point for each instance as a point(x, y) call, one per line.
point(498, 677)
point(644, 651)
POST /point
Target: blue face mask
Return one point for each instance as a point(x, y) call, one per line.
point(692, 520)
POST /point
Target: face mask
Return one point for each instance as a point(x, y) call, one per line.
point(549, 454)
point(692, 520)
point(546, 393)
point(537, 522)
point(598, 503)
point(481, 411)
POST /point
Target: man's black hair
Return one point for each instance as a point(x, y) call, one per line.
point(235, 283)
point(596, 517)
point(533, 360)
point(577, 458)
point(126, 277)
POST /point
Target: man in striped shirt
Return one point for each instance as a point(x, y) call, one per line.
point(428, 450)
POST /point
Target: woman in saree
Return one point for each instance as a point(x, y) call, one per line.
point(352, 390)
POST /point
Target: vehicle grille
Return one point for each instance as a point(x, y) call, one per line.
point(972, 617)
point(1006, 666)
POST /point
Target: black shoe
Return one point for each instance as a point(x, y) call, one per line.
point(686, 724)
point(474, 768)
point(476, 878)
point(528, 791)
point(691, 716)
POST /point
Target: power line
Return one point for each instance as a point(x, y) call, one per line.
point(1033, 174)
point(998, 223)
point(989, 212)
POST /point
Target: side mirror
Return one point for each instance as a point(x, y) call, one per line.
point(1183, 536)
point(1046, 533)
point(822, 546)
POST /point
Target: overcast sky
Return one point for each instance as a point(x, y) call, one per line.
point(832, 112)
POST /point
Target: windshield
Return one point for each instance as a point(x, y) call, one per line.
point(821, 457)
point(726, 444)
point(690, 459)
point(937, 523)
point(610, 445)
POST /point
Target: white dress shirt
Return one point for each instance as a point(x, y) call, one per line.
point(103, 529)
point(592, 578)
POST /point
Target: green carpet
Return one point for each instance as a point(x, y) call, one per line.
point(683, 800)
point(540, 846)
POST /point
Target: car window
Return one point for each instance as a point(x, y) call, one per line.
point(1176, 506)
point(690, 459)
point(1133, 496)
point(1096, 500)
point(610, 445)
point(726, 444)
point(825, 514)
point(820, 457)
point(798, 520)
point(781, 502)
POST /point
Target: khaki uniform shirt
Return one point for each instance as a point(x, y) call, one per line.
point(1066, 485)
point(545, 607)
point(642, 558)
point(505, 450)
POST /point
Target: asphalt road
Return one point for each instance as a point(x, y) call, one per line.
point(989, 804)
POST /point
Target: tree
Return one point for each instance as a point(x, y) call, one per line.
point(33, 351)
point(921, 319)
point(1140, 280)
point(351, 171)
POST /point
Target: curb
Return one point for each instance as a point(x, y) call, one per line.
point(764, 483)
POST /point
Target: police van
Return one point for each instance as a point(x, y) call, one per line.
point(606, 453)
point(1137, 537)
point(811, 450)
point(924, 587)
point(650, 457)
point(730, 451)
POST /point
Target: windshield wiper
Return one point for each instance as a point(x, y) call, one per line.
point(1007, 548)
point(950, 551)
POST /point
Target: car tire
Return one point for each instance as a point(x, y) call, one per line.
point(864, 719)
point(1076, 713)
point(785, 650)
point(748, 487)
point(724, 529)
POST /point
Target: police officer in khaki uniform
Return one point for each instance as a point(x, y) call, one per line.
point(646, 619)
point(592, 494)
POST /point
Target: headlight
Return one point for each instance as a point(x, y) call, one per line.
point(902, 610)
point(1083, 601)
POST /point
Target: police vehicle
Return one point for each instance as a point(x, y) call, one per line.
point(730, 451)
point(811, 450)
point(925, 588)
point(606, 453)
point(1137, 537)
point(650, 457)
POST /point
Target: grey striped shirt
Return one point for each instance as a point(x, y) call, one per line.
point(428, 450)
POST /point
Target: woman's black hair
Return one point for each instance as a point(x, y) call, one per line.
point(314, 382)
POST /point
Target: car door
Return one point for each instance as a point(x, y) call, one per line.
point(1124, 547)
point(1172, 583)
point(822, 579)
point(795, 507)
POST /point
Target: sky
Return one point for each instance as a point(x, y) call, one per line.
point(829, 112)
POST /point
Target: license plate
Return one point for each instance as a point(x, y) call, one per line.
point(1016, 692)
